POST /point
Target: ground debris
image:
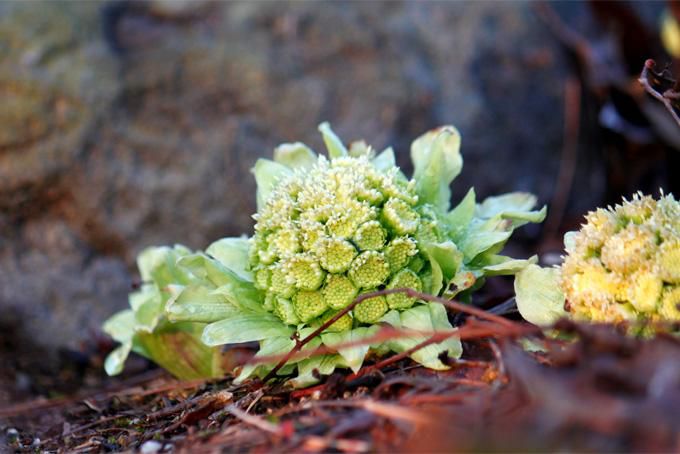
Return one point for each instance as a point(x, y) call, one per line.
point(599, 390)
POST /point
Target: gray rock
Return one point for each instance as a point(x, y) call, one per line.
point(134, 124)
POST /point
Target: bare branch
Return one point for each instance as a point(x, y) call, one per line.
point(667, 87)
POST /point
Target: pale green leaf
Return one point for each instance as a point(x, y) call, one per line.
point(476, 242)
point(385, 160)
point(433, 281)
point(247, 297)
point(354, 356)
point(196, 303)
point(436, 162)
point(295, 155)
point(158, 264)
point(459, 218)
point(211, 271)
point(448, 257)
point(510, 202)
point(539, 296)
point(427, 318)
point(336, 149)
point(570, 242)
point(233, 254)
point(268, 174)
point(121, 326)
point(245, 328)
point(145, 293)
point(268, 347)
point(508, 266)
point(115, 361)
point(323, 364)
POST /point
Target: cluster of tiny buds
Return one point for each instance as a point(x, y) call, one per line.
point(624, 263)
point(340, 228)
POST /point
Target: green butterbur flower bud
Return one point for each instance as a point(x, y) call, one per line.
point(403, 279)
point(370, 236)
point(336, 254)
point(304, 271)
point(399, 252)
point(285, 241)
point(281, 283)
point(370, 310)
point(286, 311)
point(263, 278)
point(369, 269)
point(399, 215)
point(339, 291)
point(344, 323)
point(309, 304)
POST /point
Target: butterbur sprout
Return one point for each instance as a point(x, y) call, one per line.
point(623, 265)
point(328, 229)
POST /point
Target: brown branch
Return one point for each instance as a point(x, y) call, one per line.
point(299, 344)
point(666, 97)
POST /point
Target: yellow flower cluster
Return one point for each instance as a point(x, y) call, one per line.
point(328, 232)
point(624, 264)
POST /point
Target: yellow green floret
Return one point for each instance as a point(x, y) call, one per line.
point(403, 279)
point(369, 269)
point(624, 264)
point(339, 291)
point(371, 309)
point(309, 304)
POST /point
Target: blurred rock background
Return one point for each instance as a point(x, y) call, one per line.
point(128, 124)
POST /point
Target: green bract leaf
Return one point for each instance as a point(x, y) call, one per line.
point(426, 317)
point(512, 201)
point(539, 297)
point(245, 328)
point(159, 265)
point(233, 254)
point(514, 206)
point(115, 361)
point(354, 356)
point(433, 281)
point(507, 265)
point(447, 256)
point(323, 364)
point(210, 270)
point(478, 241)
point(268, 347)
point(385, 160)
point(177, 348)
point(121, 326)
point(459, 218)
point(436, 162)
point(196, 303)
point(149, 313)
point(268, 174)
point(246, 297)
point(295, 155)
point(336, 149)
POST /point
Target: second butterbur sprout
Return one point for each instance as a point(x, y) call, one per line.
point(624, 264)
